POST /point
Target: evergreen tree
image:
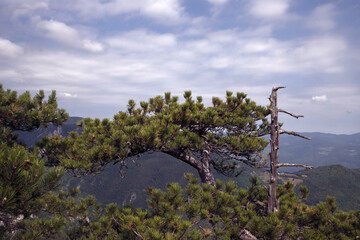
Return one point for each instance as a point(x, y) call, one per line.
point(25, 113)
point(217, 136)
point(31, 209)
point(224, 212)
point(26, 186)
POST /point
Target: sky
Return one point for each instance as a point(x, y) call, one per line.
point(98, 54)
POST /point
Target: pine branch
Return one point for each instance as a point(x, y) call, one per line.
point(294, 134)
point(293, 165)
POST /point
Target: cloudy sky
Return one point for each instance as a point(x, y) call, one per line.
point(98, 54)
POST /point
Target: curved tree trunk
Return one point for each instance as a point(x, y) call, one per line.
point(206, 176)
point(205, 172)
point(201, 165)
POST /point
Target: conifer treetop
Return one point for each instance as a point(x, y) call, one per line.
point(216, 136)
point(22, 112)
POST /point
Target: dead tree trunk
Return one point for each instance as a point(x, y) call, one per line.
point(273, 203)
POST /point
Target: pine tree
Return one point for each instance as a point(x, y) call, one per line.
point(218, 136)
point(26, 185)
point(223, 212)
point(30, 209)
point(25, 113)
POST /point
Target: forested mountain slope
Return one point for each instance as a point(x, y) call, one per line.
point(334, 180)
point(323, 149)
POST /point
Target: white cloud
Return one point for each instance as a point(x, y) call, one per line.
point(261, 31)
point(269, 8)
point(59, 31)
point(336, 90)
point(322, 17)
point(259, 45)
point(347, 95)
point(65, 34)
point(142, 41)
point(238, 52)
point(11, 74)
point(69, 95)
point(204, 46)
point(217, 6)
point(324, 53)
point(322, 98)
point(217, 2)
point(220, 62)
point(165, 11)
point(9, 49)
point(246, 55)
point(92, 46)
point(16, 10)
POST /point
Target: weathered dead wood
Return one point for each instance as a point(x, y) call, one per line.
point(291, 114)
point(277, 88)
point(246, 235)
point(273, 204)
point(294, 134)
point(293, 165)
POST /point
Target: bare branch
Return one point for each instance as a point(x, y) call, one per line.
point(291, 114)
point(294, 134)
point(245, 234)
point(277, 88)
point(293, 165)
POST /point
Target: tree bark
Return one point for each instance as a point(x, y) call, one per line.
point(273, 204)
point(293, 165)
point(206, 176)
point(205, 172)
point(201, 165)
point(246, 235)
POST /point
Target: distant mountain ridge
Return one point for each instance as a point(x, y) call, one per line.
point(30, 138)
point(323, 149)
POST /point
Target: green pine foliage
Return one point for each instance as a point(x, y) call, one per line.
point(30, 206)
point(57, 215)
point(21, 112)
point(223, 211)
point(23, 182)
point(200, 136)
